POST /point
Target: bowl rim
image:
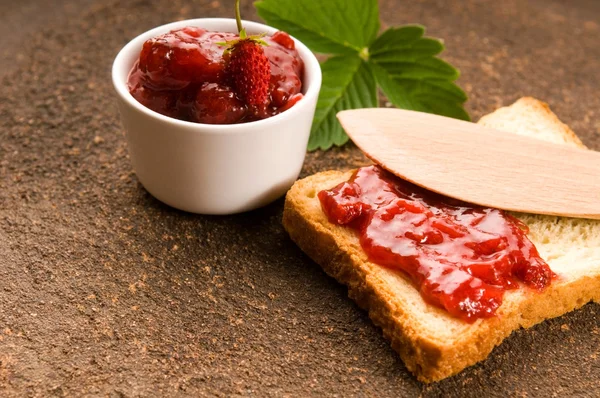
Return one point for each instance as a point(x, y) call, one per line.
point(312, 72)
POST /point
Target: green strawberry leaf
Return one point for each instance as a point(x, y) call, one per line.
point(348, 83)
point(400, 61)
point(409, 74)
point(327, 26)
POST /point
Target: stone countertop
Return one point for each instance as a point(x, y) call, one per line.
point(106, 291)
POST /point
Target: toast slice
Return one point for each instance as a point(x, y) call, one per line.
point(432, 344)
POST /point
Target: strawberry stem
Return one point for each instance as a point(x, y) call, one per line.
point(238, 16)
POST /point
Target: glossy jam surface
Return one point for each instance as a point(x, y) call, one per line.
point(181, 74)
point(461, 257)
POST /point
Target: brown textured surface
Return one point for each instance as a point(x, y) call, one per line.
point(105, 291)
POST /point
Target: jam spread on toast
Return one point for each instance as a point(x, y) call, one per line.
point(461, 257)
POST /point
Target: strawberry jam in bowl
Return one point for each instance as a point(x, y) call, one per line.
point(217, 77)
point(216, 120)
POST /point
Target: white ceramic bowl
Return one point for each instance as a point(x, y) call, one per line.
point(215, 169)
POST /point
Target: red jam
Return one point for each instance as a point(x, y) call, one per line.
point(461, 257)
point(181, 74)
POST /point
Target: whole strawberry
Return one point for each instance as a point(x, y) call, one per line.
point(248, 70)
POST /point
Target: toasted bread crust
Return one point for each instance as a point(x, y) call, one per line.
point(544, 109)
point(428, 358)
point(423, 356)
point(532, 106)
point(428, 355)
